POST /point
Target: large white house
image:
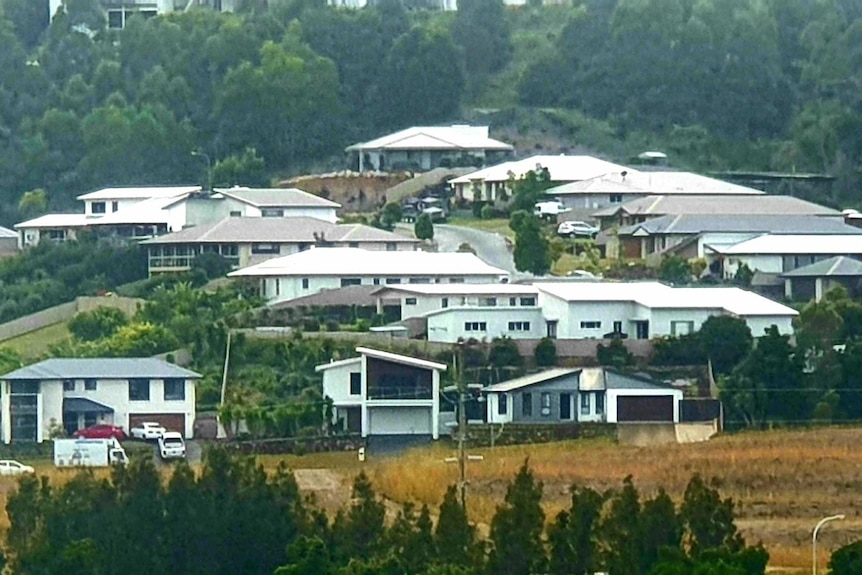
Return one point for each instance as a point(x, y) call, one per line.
point(317, 269)
point(118, 12)
point(72, 393)
point(426, 148)
point(382, 393)
point(493, 183)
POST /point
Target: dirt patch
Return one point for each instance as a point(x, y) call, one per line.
point(356, 192)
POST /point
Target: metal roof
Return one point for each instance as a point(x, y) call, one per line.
point(7, 233)
point(84, 405)
point(838, 266)
point(457, 137)
point(277, 230)
point(338, 363)
point(139, 193)
point(754, 203)
point(351, 295)
point(459, 289)
point(386, 356)
point(800, 243)
point(589, 379)
point(533, 378)
point(276, 197)
point(57, 221)
point(562, 169)
point(741, 223)
point(100, 368)
point(666, 182)
point(341, 262)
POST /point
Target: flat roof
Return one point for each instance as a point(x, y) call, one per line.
point(341, 262)
point(649, 182)
point(139, 192)
point(398, 358)
point(779, 244)
point(657, 295)
point(714, 204)
point(57, 221)
point(100, 368)
point(562, 169)
point(287, 229)
point(460, 289)
point(435, 138)
point(276, 197)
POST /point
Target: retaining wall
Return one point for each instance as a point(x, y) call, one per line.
point(65, 312)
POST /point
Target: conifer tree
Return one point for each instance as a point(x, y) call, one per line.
point(454, 537)
point(517, 527)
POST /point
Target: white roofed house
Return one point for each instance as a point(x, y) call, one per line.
point(117, 12)
point(384, 394)
point(245, 241)
point(311, 271)
point(494, 182)
point(426, 148)
point(261, 202)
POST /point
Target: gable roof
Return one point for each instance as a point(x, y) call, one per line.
point(838, 266)
point(341, 262)
point(139, 192)
point(589, 378)
point(350, 295)
point(676, 183)
point(276, 197)
point(456, 137)
point(287, 230)
point(57, 221)
point(459, 289)
point(561, 168)
point(100, 368)
point(741, 223)
point(385, 356)
point(726, 204)
point(779, 244)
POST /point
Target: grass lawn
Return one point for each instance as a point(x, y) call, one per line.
point(35, 343)
point(496, 225)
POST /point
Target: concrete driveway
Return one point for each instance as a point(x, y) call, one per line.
point(491, 247)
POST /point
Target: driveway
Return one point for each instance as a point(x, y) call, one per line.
point(491, 247)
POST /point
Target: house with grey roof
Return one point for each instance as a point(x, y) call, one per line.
point(246, 241)
point(73, 393)
point(588, 394)
point(814, 280)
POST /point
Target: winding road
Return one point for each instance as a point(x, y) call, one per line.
point(489, 246)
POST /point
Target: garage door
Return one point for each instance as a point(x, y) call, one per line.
point(645, 408)
point(170, 421)
point(399, 421)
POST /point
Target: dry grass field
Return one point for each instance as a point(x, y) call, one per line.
point(782, 481)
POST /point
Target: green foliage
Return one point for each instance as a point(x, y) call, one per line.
point(675, 270)
point(210, 266)
point(33, 203)
point(482, 32)
point(423, 229)
point(454, 537)
point(725, 341)
point(846, 560)
point(532, 253)
point(573, 537)
point(245, 169)
point(100, 323)
point(390, 215)
point(615, 354)
point(516, 529)
point(529, 189)
point(545, 353)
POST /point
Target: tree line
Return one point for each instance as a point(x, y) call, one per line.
point(235, 518)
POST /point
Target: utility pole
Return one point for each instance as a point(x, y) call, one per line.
point(461, 388)
point(205, 156)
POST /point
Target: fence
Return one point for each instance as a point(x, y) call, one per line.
point(65, 312)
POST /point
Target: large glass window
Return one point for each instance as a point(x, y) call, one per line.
point(503, 404)
point(356, 383)
point(90, 385)
point(24, 410)
point(175, 389)
point(68, 385)
point(139, 390)
point(527, 404)
point(98, 207)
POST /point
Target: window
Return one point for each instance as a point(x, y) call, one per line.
point(678, 328)
point(615, 198)
point(528, 301)
point(503, 404)
point(272, 213)
point(352, 244)
point(68, 385)
point(551, 326)
point(115, 205)
point(391, 246)
point(600, 402)
point(456, 280)
point(527, 404)
point(419, 280)
point(489, 301)
point(58, 235)
point(585, 404)
point(90, 385)
point(97, 207)
point(355, 384)
point(115, 19)
point(139, 390)
point(513, 301)
point(410, 301)
point(350, 282)
point(390, 281)
point(235, 214)
point(546, 404)
point(444, 302)
point(618, 327)
point(519, 326)
point(304, 283)
point(591, 325)
point(277, 286)
point(24, 387)
point(475, 326)
point(265, 248)
point(175, 389)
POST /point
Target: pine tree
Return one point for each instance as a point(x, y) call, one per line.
point(360, 532)
point(516, 529)
point(661, 527)
point(454, 537)
point(572, 537)
point(423, 229)
point(622, 535)
point(708, 520)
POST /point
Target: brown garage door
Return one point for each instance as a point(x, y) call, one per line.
point(645, 408)
point(170, 421)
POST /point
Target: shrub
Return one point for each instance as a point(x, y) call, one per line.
point(545, 353)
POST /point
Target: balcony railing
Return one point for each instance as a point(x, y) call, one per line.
point(399, 392)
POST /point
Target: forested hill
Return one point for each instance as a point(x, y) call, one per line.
point(282, 86)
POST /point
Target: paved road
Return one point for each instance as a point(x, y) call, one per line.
point(491, 247)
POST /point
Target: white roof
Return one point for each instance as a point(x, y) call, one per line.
point(398, 358)
point(57, 221)
point(562, 169)
point(339, 363)
point(149, 211)
point(653, 183)
point(795, 244)
point(139, 193)
point(658, 295)
point(341, 262)
point(461, 289)
point(435, 138)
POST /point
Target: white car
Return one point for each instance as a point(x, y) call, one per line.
point(147, 430)
point(12, 467)
point(172, 446)
point(577, 229)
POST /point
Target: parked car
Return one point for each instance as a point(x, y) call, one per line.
point(172, 446)
point(577, 230)
point(12, 467)
point(147, 430)
point(101, 431)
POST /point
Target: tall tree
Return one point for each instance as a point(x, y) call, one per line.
point(573, 537)
point(516, 529)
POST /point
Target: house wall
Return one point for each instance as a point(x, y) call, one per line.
point(449, 325)
point(613, 394)
point(595, 200)
point(662, 320)
point(430, 303)
point(604, 312)
point(759, 324)
point(567, 385)
point(764, 263)
point(336, 384)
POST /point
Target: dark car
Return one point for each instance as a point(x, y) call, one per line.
point(101, 431)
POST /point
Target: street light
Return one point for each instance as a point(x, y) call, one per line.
point(205, 156)
point(817, 527)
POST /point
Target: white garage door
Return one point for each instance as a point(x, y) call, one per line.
point(399, 421)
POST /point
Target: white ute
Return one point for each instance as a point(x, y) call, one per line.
point(172, 446)
point(147, 430)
